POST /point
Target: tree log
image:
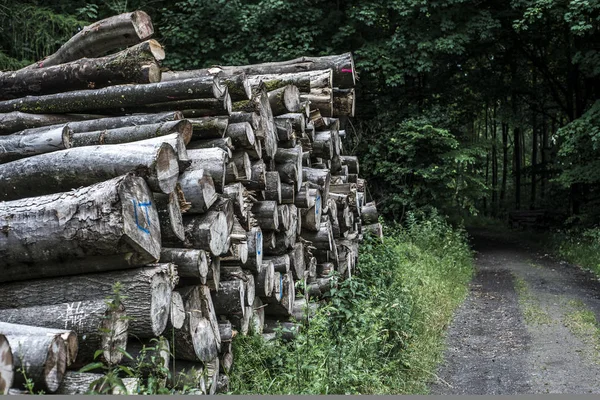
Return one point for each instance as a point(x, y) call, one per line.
point(304, 80)
point(323, 145)
point(242, 201)
point(265, 213)
point(209, 127)
point(213, 161)
point(129, 225)
point(223, 143)
point(117, 97)
point(258, 179)
point(75, 383)
point(31, 142)
point(280, 263)
point(101, 37)
point(344, 75)
point(238, 84)
point(42, 357)
point(135, 133)
point(273, 187)
point(343, 102)
point(214, 273)
point(199, 190)
point(208, 231)
point(284, 100)
point(67, 169)
point(288, 193)
point(17, 121)
point(323, 239)
point(169, 216)
point(297, 261)
point(241, 134)
point(176, 314)
point(285, 131)
point(6, 366)
point(311, 217)
point(257, 320)
point(146, 291)
point(191, 263)
point(289, 165)
point(320, 177)
point(137, 64)
point(255, 250)
point(297, 120)
point(351, 162)
point(98, 327)
point(191, 108)
point(230, 298)
point(243, 165)
point(265, 281)
point(284, 306)
point(321, 98)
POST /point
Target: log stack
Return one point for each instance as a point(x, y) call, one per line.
point(194, 200)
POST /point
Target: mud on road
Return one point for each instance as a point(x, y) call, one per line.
point(527, 326)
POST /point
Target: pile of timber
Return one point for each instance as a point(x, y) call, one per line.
point(205, 194)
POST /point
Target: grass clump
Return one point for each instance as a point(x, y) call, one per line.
point(381, 332)
point(532, 312)
point(582, 322)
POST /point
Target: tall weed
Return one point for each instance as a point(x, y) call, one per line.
point(381, 332)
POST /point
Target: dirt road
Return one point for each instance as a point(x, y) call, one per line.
point(527, 326)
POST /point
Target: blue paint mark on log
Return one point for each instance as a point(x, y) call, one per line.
point(259, 243)
point(145, 206)
point(280, 286)
point(318, 205)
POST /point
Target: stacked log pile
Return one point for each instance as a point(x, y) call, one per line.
point(207, 195)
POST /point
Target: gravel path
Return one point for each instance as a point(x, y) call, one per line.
point(527, 326)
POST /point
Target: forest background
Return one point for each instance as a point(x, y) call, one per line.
point(471, 107)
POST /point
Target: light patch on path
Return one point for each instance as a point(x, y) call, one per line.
point(529, 325)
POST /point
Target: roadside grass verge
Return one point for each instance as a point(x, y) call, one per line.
point(382, 332)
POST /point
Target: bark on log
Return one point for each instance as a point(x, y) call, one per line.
point(323, 145)
point(208, 231)
point(252, 118)
point(265, 213)
point(191, 263)
point(42, 357)
point(17, 121)
point(225, 331)
point(241, 134)
point(223, 143)
point(115, 97)
point(231, 174)
point(199, 190)
point(344, 75)
point(31, 142)
point(213, 161)
point(297, 120)
point(133, 134)
point(285, 131)
point(214, 273)
point(101, 37)
point(229, 299)
point(289, 165)
point(191, 108)
point(351, 162)
point(241, 199)
point(322, 99)
point(112, 217)
point(141, 287)
point(137, 64)
point(273, 187)
point(169, 216)
point(6, 366)
point(288, 193)
point(323, 239)
point(258, 180)
point(304, 80)
point(320, 177)
point(311, 217)
point(68, 169)
point(98, 327)
point(343, 102)
point(209, 127)
point(284, 100)
point(280, 263)
point(238, 85)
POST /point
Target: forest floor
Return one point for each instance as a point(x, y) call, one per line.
point(529, 325)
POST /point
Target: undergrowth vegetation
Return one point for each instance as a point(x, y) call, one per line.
point(382, 330)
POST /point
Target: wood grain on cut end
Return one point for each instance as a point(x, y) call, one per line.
point(6, 366)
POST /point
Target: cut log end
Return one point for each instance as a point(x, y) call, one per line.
point(167, 168)
point(114, 328)
point(160, 303)
point(56, 364)
point(142, 24)
point(6, 366)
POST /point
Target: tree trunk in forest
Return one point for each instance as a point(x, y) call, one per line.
point(504, 160)
point(116, 97)
point(101, 37)
point(98, 326)
point(83, 166)
point(136, 64)
point(146, 294)
point(42, 357)
point(31, 142)
point(31, 239)
point(6, 366)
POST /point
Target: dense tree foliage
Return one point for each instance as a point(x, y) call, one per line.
point(468, 107)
